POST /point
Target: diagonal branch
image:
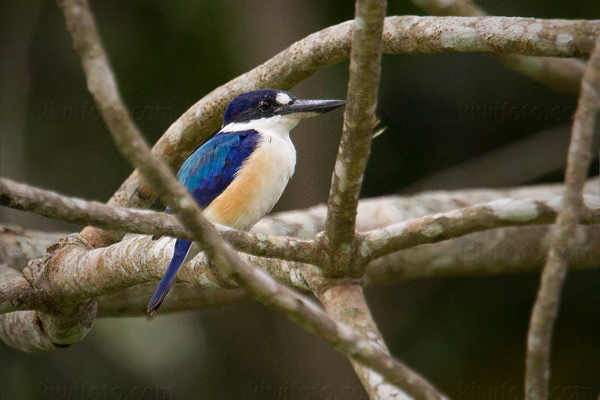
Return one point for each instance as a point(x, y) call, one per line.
point(545, 309)
point(359, 121)
point(101, 82)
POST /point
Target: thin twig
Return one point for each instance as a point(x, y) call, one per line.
point(545, 310)
point(359, 121)
point(101, 81)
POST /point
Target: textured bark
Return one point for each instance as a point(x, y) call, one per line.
point(75, 272)
point(354, 150)
point(443, 226)
point(139, 259)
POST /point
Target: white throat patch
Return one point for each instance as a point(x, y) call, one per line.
point(280, 125)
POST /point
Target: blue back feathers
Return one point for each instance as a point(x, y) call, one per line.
point(208, 172)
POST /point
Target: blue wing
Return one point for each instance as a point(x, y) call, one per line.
point(206, 174)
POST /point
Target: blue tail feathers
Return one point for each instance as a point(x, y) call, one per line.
point(182, 248)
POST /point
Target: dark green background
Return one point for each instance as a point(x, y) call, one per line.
point(466, 335)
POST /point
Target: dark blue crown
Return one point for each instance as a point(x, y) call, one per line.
point(254, 105)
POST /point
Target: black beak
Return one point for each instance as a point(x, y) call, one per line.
point(310, 107)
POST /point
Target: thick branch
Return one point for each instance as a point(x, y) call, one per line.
point(491, 252)
point(359, 121)
point(498, 251)
point(15, 291)
point(559, 74)
point(141, 260)
point(545, 309)
point(332, 45)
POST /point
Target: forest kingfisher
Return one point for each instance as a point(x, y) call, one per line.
point(238, 176)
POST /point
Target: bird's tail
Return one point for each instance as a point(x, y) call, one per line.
point(182, 247)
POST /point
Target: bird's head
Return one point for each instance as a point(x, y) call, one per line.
point(274, 105)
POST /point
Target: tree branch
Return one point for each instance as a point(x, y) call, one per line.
point(545, 309)
point(142, 260)
point(560, 75)
point(413, 35)
point(499, 251)
point(15, 291)
point(101, 82)
point(374, 244)
point(359, 121)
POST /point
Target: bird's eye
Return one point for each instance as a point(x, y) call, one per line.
point(264, 105)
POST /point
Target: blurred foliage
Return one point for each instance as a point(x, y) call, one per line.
point(466, 335)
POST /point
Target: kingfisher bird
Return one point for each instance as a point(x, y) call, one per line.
point(238, 175)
